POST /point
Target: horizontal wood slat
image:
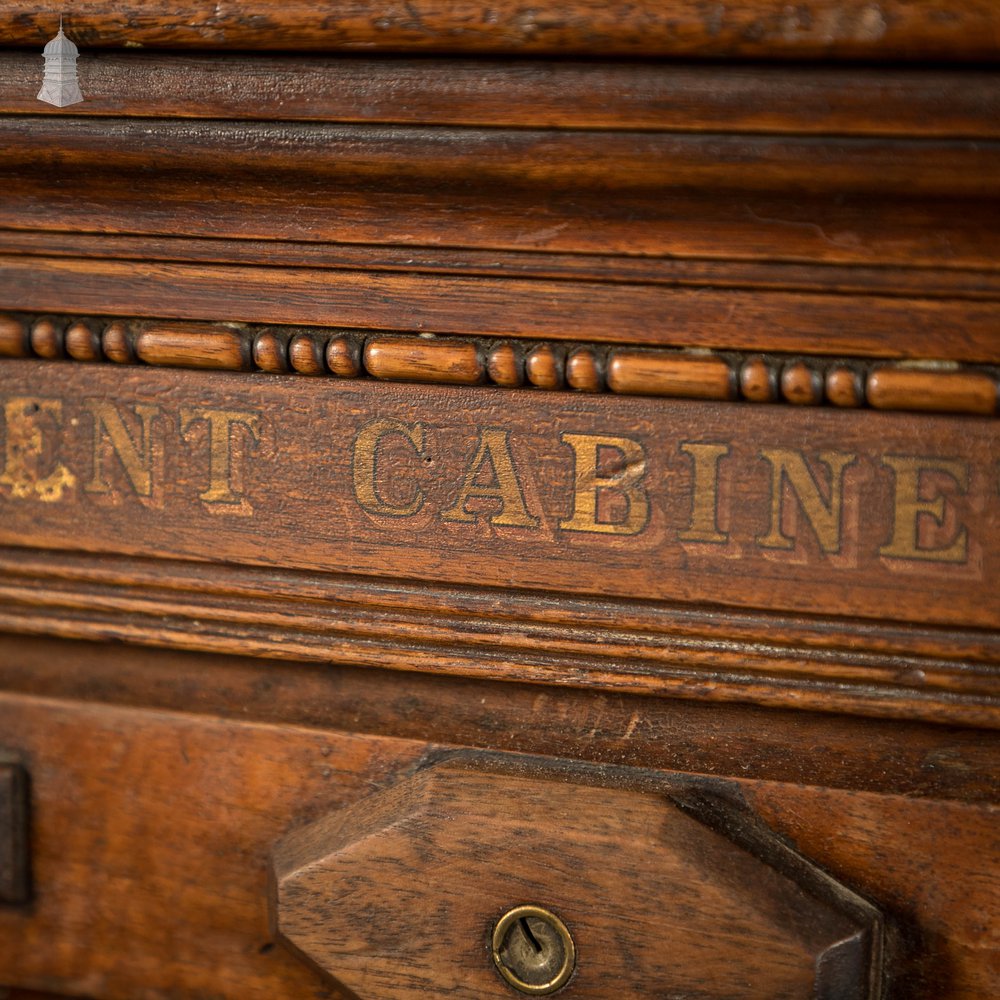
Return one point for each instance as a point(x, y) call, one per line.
point(669, 97)
point(942, 281)
point(778, 225)
point(719, 657)
point(821, 324)
point(843, 29)
point(400, 157)
point(873, 515)
point(694, 733)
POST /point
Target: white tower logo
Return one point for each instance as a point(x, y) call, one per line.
point(59, 86)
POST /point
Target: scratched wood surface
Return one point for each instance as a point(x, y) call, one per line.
point(719, 97)
point(820, 511)
point(143, 816)
point(591, 849)
point(845, 29)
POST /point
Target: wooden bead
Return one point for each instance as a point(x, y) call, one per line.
point(845, 386)
point(46, 339)
point(544, 368)
point(82, 343)
point(801, 385)
point(192, 347)
point(417, 359)
point(343, 356)
point(583, 372)
point(506, 366)
point(306, 354)
point(13, 338)
point(657, 373)
point(758, 381)
point(945, 392)
point(270, 353)
point(116, 344)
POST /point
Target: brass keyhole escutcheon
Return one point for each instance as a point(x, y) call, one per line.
point(533, 950)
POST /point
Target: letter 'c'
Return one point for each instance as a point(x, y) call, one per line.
point(365, 461)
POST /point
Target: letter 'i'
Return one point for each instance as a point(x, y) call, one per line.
point(59, 85)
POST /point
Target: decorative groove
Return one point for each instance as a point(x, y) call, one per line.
point(932, 387)
point(936, 674)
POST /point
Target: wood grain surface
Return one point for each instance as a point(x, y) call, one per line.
point(922, 282)
point(467, 840)
point(711, 655)
point(719, 97)
point(941, 386)
point(182, 811)
point(827, 511)
point(575, 718)
point(654, 315)
point(843, 29)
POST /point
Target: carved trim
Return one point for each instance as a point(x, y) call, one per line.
point(931, 387)
point(944, 675)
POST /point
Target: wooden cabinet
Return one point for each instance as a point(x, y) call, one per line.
point(497, 496)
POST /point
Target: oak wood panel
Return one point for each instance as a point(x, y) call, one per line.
point(470, 835)
point(395, 157)
point(843, 29)
point(923, 281)
point(861, 831)
point(844, 229)
point(903, 756)
point(274, 473)
point(823, 324)
point(721, 97)
point(182, 812)
point(876, 670)
point(699, 665)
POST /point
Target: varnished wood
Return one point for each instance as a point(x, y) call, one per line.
point(826, 324)
point(584, 722)
point(942, 387)
point(213, 857)
point(930, 280)
point(959, 392)
point(638, 373)
point(14, 842)
point(470, 837)
point(204, 348)
point(240, 600)
point(422, 360)
point(930, 168)
point(852, 29)
point(944, 675)
point(718, 97)
point(858, 558)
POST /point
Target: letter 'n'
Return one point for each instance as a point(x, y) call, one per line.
point(824, 516)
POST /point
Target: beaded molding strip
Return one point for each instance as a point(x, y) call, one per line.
point(938, 387)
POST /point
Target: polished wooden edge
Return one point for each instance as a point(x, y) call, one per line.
point(923, 282)
point(897, 30)
point(868, 670)
point(932, 387)
point(634, 731)
point(662, 96)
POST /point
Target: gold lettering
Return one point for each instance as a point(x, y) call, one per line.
point(910, 505)
point(365, 461)
point(589, 485)
point(822, 516)
point(222, 425)
point(25, 449)
point(136, 459)
point(494, 446)
point(704, 523)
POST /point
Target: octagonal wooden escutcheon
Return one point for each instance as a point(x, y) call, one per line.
point(631, 887)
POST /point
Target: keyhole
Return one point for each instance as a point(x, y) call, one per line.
point(533, 950)
point(526, 931)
